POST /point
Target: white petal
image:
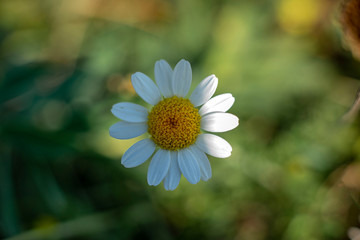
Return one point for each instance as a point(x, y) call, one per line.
point(204, 91)
point(189, 166)
point(138, 153)
point(163, 75)
point(159, 167)
point(220, 103)
point(219, 122)
point(146, 88)
point(172, 179)
point(213, 145)
point(130, 112)
point(127, 130)
point(181, 78)
point(203, 161)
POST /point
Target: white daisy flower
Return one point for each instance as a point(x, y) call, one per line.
point(176, 143)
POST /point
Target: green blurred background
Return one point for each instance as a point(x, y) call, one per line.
point(294, 173)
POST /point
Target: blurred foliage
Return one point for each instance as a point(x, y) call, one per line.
point(294, 173)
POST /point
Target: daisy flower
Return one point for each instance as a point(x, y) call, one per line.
point(174, 125)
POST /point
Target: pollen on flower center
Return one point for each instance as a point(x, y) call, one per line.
point(174, 123)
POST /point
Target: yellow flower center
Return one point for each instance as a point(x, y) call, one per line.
point(174, 123)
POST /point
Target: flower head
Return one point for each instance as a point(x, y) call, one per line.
point(174, 125)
